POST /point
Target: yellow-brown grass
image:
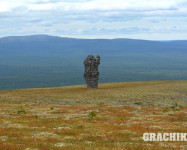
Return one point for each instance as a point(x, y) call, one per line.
point(114, 127)
point(149, 92)
point(37, 118)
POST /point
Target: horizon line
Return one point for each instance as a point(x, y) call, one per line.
point(86, 37)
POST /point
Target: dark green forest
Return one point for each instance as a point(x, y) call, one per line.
point(47, 61)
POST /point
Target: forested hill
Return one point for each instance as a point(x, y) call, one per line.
point(45, 61)
point(54, 44)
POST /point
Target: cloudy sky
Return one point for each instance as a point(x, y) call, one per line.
point(138, 19)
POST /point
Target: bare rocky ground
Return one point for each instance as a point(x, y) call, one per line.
point(115, 116)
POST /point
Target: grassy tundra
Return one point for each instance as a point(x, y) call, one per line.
point(115, 116)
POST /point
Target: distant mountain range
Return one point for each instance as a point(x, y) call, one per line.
point(46, 43)
point(45, 61)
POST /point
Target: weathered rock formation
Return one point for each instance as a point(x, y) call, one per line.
point(91, 73)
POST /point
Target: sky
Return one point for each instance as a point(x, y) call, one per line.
point(135, 19)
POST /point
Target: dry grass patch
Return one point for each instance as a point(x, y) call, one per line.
point(141, 93)
point(58, 118)
point(113, 127)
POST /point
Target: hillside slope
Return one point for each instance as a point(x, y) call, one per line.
point(158, 93)
point(40, 61)
point(113, 117)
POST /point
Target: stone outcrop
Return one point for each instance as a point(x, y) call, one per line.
point(91, 73)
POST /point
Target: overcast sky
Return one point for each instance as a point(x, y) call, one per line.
point(138, 19)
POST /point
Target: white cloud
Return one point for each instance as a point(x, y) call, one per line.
point(6, 6)
point(101, 17)
point(101, 5)
point(108, 5)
